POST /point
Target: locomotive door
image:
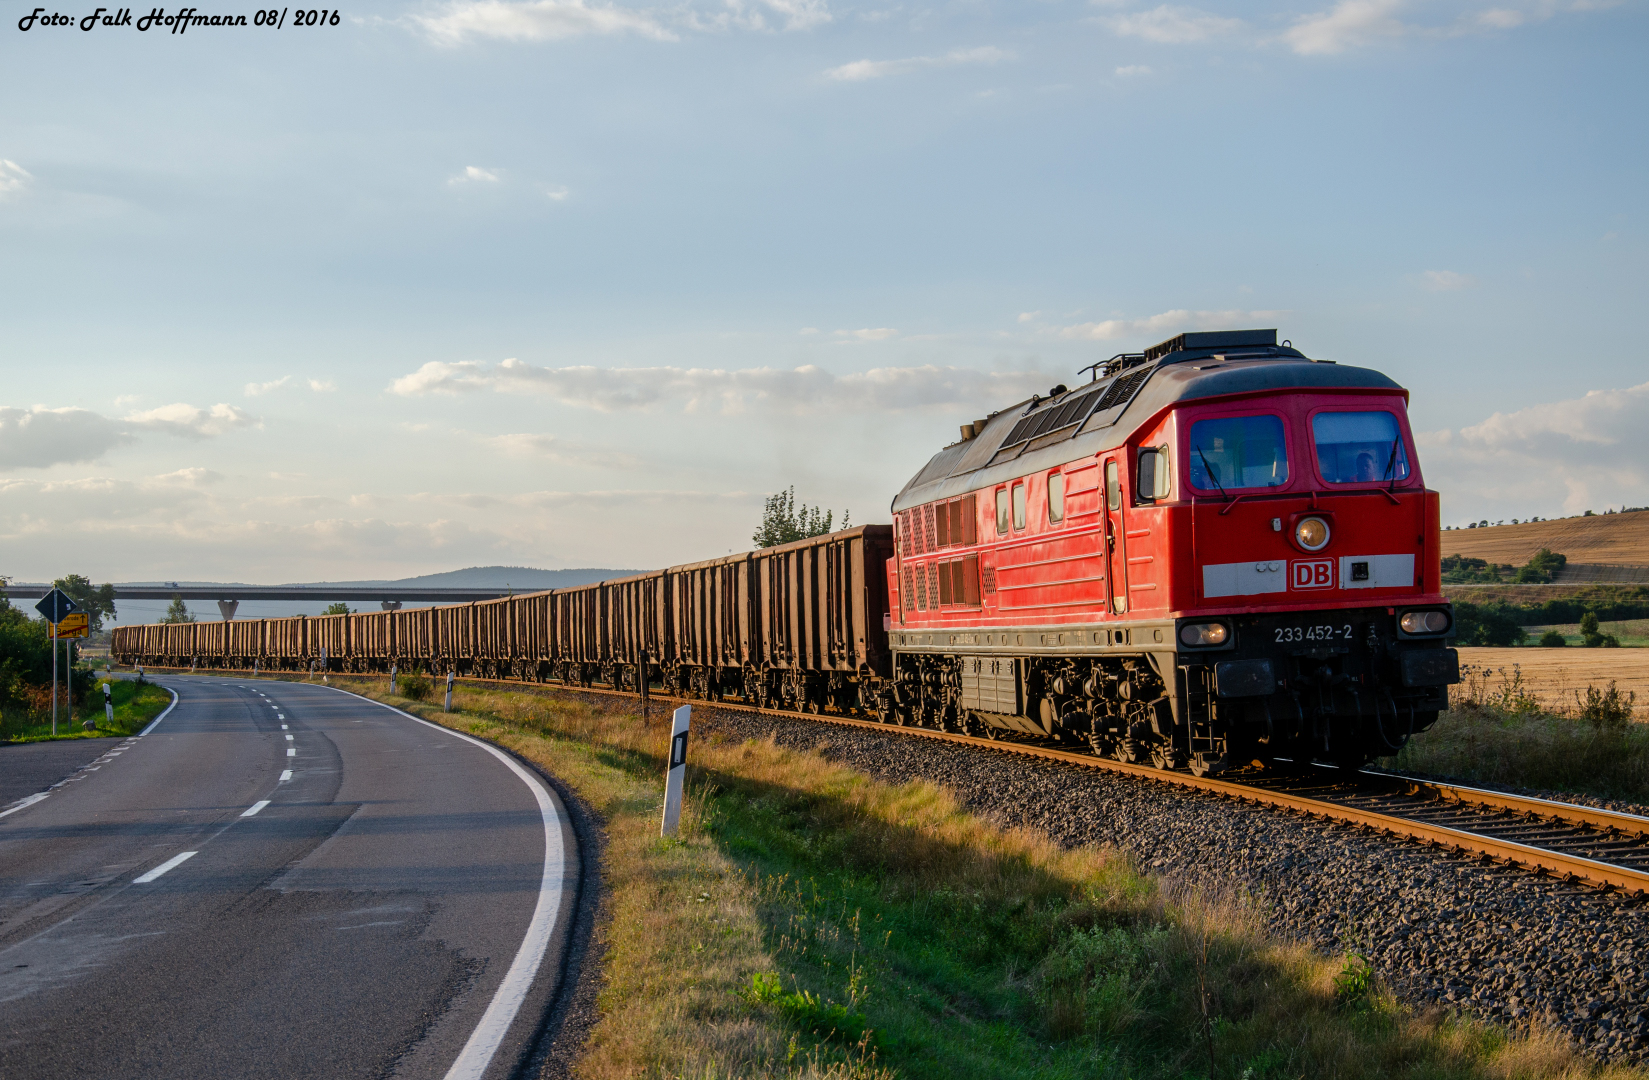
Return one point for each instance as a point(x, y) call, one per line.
point(1116, 550)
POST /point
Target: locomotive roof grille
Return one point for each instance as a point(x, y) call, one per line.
point(1220, 339)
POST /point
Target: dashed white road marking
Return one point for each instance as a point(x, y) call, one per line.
point(24, 804)
point(291, 752)
point(170, 864)
point(286, 775)
point(259, 805)
point(283, 727)
point(288, 736)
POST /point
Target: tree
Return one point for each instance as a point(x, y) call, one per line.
point(95, 600)
point(178, 612)
point(340, 608)
point(1542, 568)
point(783, 523)
point(1487, 625)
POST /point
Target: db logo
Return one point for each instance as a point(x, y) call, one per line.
point(1313, 574)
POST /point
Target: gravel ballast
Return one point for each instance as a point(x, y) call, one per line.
point(1496, 942)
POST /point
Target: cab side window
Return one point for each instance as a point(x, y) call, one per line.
point(1056, 497)
point(1002, 510)
point(1153, 475)
point(1019, 506)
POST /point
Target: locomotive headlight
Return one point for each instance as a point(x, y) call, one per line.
point(1204, 633)
point(1424, 622)
point(1312, 533)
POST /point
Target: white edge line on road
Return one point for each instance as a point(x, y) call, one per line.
point(24, 804)
point(495, 1023)
point(169, 864)
point(162, 716)
point(259, 805)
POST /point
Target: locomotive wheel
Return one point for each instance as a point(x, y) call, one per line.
point(1127, 751)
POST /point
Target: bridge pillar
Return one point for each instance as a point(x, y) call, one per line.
point(226, 608)
point(390, 605)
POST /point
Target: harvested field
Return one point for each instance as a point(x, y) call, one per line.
point(1553, 676)
point(1608, 539)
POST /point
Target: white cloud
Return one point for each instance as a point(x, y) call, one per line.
point(190, 422)
point(878, 333)
point(1349, 24)
point(1170, 25)
point(39, 438)
point(558, 194)
point(534, 20)
point(1446, 280)
point(474, 174)
point(13, 178)
point(794, 14)
point(1167, 323)
point(193, 477)
point(1132, 71)
point(861, 70)
point(803, 389)
point(559, 451)
point(1583, 454)
point(253, 389)
point(1352, 24)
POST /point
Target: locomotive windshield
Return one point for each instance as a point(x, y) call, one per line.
point(1238, 453)
point(1359, 447)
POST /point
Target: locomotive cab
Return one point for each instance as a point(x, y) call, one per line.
point(1218, 551)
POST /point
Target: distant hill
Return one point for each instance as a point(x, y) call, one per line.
point(1602, 540)
point(496, 577)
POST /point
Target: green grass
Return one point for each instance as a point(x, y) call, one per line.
point(135, 706)
point(810, 923)
point(1631, 633)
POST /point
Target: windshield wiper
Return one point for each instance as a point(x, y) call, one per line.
point(1391, 463)
point(1213, 473)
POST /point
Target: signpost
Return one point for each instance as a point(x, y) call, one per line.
point(55, 606)
point(676, 769)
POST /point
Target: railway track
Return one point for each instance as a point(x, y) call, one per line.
point(1579, 844)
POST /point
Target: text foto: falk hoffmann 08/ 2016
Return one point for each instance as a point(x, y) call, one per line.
point(180, 21)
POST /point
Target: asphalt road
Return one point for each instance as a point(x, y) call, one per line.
point(342, 891)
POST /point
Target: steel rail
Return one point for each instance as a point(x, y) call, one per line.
point(1573, 868)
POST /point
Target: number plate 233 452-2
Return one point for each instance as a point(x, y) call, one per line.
point(1324, 632)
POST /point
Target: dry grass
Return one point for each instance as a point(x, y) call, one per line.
point(1552, 677)
point(1609, 539)
point(812, 922)
point(1501, 730)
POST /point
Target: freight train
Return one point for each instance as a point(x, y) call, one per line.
point(1215, 552)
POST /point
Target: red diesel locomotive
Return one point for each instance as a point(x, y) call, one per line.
point(1217, 551)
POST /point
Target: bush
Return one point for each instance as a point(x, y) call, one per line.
point(1606, 708)
point(1552, 639)
point(414, 687)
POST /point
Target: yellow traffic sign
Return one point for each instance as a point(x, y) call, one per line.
point(74, 625)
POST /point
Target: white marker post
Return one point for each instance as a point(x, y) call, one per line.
point(449, 691)
point(109, 705)
point(392, 670)
point(677, 769)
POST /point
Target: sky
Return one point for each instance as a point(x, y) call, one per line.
point(566, 284)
